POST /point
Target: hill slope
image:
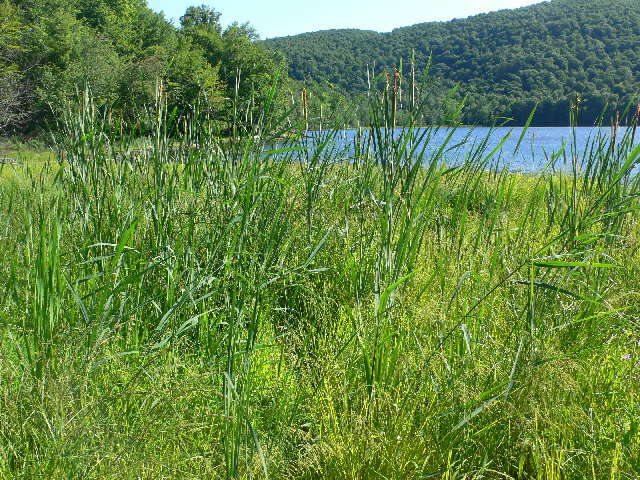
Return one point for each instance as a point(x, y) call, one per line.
point(505, 61)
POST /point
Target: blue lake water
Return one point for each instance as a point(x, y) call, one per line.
point(537, 145)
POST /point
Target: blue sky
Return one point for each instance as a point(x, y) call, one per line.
point(275, 18)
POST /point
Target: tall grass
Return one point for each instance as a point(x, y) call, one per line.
point(195, 305)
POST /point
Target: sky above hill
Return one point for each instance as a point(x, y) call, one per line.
point(277, 18)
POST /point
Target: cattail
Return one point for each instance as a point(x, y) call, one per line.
point(615, 125)
point(305, 108)
point(400, 84)
point(394, 96)
point(636, 119)
point(413, 79)
point(614, 132)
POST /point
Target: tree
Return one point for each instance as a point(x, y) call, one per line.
point(246, 69)
point(191, 78)
point(13, 88)
point(201, 17)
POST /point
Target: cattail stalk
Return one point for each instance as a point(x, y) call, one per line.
point(305, 108)
point(413, 79)
point(394, 97)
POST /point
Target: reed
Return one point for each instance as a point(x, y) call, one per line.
point(183, 303)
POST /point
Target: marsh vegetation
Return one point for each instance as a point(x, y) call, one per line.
point(185, 304)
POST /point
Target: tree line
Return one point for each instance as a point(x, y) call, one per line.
point(556, 55)
point(122, 50)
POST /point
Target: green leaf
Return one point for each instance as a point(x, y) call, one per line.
point(554, 288)
point(563, 264)
point(386, 295)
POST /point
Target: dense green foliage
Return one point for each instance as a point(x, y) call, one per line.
point(122, 50)
point(11, 81)
point(198, 307)
point(506, 62)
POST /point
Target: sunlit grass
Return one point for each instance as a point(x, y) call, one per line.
point(193, 307)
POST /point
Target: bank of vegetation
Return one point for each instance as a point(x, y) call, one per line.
point(198, 306)
point(50, 50)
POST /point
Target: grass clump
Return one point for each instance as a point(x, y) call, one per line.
point(192, 306)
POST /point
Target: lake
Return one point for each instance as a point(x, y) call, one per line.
point(536, 148)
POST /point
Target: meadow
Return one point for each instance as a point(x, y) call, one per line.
point(197, 306)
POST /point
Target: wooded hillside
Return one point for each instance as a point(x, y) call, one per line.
point(505, 62)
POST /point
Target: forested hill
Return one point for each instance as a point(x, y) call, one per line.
point(505, 62)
